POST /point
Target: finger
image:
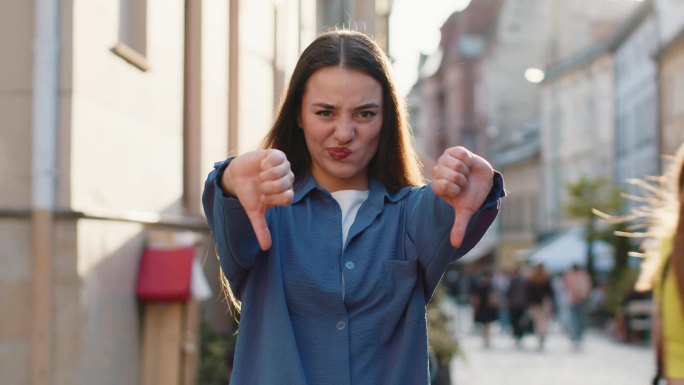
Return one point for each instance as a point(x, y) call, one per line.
point(460, 153)
point(445, 189)
point(455, 163)
point(282, 199)
point(273, 158)
point(450, 175)
point(263, 235)
point(458, 230)
point(479, 163)
point(277, 186)
point(276, 171)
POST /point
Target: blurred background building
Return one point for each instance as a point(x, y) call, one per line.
point(112, 114)
point(562, 91)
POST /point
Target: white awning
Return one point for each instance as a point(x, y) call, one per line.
point(570, 248)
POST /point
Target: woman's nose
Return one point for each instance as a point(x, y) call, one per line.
point(345, 130)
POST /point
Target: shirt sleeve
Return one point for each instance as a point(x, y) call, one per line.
point(429, 225)
point(236, 243)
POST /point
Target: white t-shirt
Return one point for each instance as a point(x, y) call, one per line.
point(350, 201)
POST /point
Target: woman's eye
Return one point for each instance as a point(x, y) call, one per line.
point(324, 113)
point(367, 114)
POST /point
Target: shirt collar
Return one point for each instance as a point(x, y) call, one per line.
point(303, 187)
point(376, 195)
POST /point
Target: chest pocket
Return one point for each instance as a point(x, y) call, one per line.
point(404, 299)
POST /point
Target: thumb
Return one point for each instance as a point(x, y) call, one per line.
point(263, 235)
point(461, 219)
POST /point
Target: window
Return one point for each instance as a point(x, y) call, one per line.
point(132, 45)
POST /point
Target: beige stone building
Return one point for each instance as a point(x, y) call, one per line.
point(111, 115)
point(446, 99)
point(671, 84)
point(577, 128)
point(485, 102)
point(512, 107)
point(584, 103)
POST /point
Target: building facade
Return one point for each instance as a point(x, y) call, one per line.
point(636, 99)
point(670, 19)
point(512, 107)
point(671, 81)
point(669, 15)
point(448, 93)
point(112, 115)
point(577, 128)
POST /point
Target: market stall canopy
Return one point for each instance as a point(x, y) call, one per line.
point(569, 248)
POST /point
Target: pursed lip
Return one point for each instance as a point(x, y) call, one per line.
point(339, 153)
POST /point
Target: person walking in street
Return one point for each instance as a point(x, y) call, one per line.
point(329, 237)
point(516, 296)
point(485, 303)
point(500, 280)
point(577, 286)
point(540, 302)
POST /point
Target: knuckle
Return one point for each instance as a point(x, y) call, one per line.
point(437, 186)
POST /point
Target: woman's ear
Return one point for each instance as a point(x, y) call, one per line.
point(299, 121)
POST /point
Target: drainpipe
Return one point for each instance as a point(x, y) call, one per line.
point(44, 163)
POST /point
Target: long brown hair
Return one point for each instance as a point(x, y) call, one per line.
point(395, 163)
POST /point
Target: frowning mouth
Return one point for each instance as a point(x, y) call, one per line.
point(339, 153)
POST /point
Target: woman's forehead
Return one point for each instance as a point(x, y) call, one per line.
point(334, 85)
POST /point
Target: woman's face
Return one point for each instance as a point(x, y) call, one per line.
point(341, 118)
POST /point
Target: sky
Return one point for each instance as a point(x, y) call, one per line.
point(414, 28)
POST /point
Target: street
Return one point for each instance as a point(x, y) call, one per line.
point(600, 361)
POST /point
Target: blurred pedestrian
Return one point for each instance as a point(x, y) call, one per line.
point(329, 236)
point(485, 303)
point(577, 286)
point(540, 302)
point(516, 299)
point(501, 280)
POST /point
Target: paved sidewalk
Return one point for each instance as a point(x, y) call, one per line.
point(601, 361)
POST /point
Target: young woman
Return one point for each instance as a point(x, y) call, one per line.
point(669, 279)
point(661, 218)
point(328, 237)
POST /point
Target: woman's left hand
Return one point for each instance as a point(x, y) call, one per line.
point(463, 179)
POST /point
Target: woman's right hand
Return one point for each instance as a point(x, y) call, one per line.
point(260, 180)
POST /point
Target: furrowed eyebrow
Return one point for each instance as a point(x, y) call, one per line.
point(368, 106)
point(361, 107)
point(323, 105)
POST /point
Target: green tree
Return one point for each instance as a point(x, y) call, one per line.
point(585, 195)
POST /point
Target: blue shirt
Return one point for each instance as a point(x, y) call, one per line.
point(315, 313)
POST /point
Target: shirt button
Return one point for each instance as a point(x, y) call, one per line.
point(340, 325)
point(349, 265)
